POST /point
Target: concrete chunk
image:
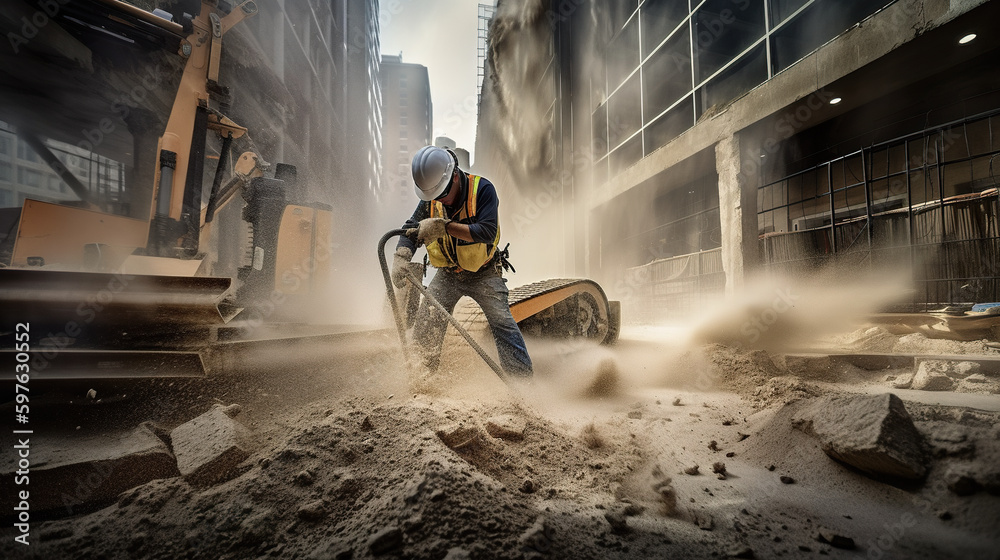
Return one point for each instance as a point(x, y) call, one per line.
point(458, 436)
point(506, 427)
point(71, 472)
point(873, 433)
point(209, 447)
point(933, 375)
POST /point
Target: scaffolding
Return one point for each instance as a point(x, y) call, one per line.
point(486, 12)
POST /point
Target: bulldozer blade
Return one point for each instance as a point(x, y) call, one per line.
point(55, 364)
point(90, 301)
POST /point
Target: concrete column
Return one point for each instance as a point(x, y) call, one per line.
point(737, 212)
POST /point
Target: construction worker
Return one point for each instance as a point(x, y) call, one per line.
point(457, 220)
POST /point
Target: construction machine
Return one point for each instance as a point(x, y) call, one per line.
point(144, 232)
point(128, 257)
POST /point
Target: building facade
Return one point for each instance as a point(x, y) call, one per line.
point(407, 125)
point(698, 143)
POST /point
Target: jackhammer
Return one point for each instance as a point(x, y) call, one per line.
point(398, 316)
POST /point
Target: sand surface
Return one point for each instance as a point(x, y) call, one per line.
point(600, 463)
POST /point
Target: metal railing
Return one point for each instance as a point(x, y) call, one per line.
point(927, 202)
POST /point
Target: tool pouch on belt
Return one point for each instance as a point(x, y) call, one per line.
point(502, 263)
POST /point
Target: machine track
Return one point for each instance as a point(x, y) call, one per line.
point(558, 307)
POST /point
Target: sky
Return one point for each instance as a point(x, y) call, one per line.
point(441, 35)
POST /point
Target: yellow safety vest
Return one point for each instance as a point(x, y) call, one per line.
point(451, 252)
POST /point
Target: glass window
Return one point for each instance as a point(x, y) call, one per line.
point(600, 132)
point(723, 29)
point(6, 198)
point(816, 25)
point(26, 153)
point(619, 11)
point(629, 153)
point(669, 126)
point(781, 9)
point(5, 171)
point(5, 144)
point(623, 54)
point(666, 76)
point(659, 18)
point(29, 177)
point(742, 76)
point(624, 112)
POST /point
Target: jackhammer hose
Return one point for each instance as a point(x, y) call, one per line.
point(400, 326)
point(389, 292)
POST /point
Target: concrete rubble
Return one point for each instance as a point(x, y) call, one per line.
point(872, 433)
point(209, 447)
point(71, 472)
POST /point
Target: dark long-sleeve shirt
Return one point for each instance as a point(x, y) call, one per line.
point(483, 226)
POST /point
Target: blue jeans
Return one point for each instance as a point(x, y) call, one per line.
point(489, 289)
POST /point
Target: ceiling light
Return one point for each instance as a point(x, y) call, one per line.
point(967, 39)
point(835, 100)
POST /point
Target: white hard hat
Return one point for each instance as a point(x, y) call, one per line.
point(431, 168)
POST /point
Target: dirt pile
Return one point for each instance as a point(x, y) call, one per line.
point(694, 454)
point(359, 478)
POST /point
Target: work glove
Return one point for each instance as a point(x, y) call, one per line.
point(432, 229)
point(400, 261)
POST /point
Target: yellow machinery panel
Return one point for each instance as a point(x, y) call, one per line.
point(59, 233)
point(302, 264)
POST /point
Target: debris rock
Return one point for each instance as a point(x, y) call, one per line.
point(209, 447)
point(947, 439)
point(312, 511)
point(961, 483)
point(538, 538)
point(83, 470)
point(304, 478)
point(786, 479)
point(366, 424)
point(719, 468)
point(677, 402)
point(740, 551)
point(618, 522)
point(932, 375)
point(873, 433)
point(691, 470)
point(632, 510)
point(904, 381)
point(704, 521)
point(635, 414)
point(232, 410)
point(528, 486)
point(835, 540)
point(713, 445)
point(332, 550)
point(458, 436)
point(507, 427)
point(668, 496)
point(386, 540)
